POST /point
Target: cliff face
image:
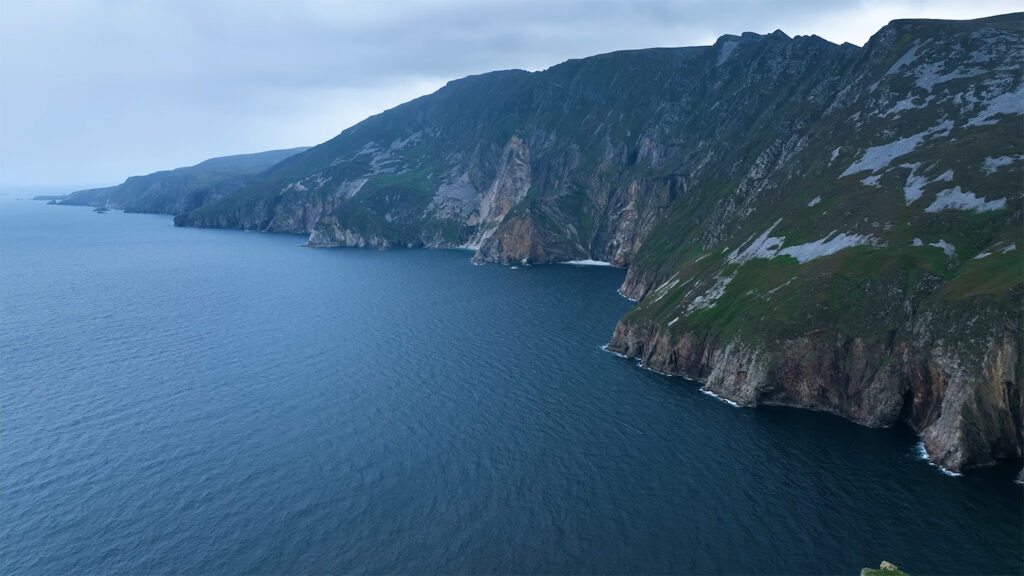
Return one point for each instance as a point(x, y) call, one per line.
point(806, 224)
point(966, 407)
point(876, 274)
point(579, 161)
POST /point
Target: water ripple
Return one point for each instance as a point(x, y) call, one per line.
point(202, 401)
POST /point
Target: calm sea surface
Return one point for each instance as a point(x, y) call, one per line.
point(217, 402)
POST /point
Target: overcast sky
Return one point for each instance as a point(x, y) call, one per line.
point(93, 91)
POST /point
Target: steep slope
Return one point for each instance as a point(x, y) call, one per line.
point(874, 274)
point(580, 160)
point(182, 189)
point(806, 224)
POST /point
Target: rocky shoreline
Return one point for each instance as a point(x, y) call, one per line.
point(966, 412)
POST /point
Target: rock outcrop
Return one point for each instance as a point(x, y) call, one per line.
point(966, 407)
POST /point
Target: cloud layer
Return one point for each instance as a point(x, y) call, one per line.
point(93, 91)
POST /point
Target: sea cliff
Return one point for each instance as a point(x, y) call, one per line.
point(808, 224)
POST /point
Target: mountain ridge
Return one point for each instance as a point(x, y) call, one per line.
point(180, 189)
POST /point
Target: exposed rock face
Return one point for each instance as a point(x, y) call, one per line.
point(510, 187)
point(831, 227)
point(967, 408)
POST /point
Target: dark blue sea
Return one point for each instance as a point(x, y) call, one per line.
point(184, 401)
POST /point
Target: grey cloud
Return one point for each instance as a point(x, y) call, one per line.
point(114, 88)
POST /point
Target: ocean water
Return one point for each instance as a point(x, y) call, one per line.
point(216, 402)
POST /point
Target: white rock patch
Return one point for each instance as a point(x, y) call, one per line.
point(914, 188)
point(928, 76)
point(1006, 103)
point(669, 284)
point(1002, 250)
point(765, 246)
point(991, 165)
point(877, 157)
point(768, 247)
point(708, 299)
point(907, 104)
point(781, 286)
point(815, 202)
point(727, 47)
point(957, 199)
point(904, 60)
point(946, 247)
point(872, 180)
point(403, 142)
point(350, 188)
point(828, 245)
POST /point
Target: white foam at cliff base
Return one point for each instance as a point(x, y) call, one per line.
point(726, 400)
point(1009, 248)
point(922, 453)
point(649, 369)
point(638, 362)
point(610, 351)
point(619, 292)
point(907, 104)
point(703, 390)
point(588, 262)
point(768, 247)
point(914, 187)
